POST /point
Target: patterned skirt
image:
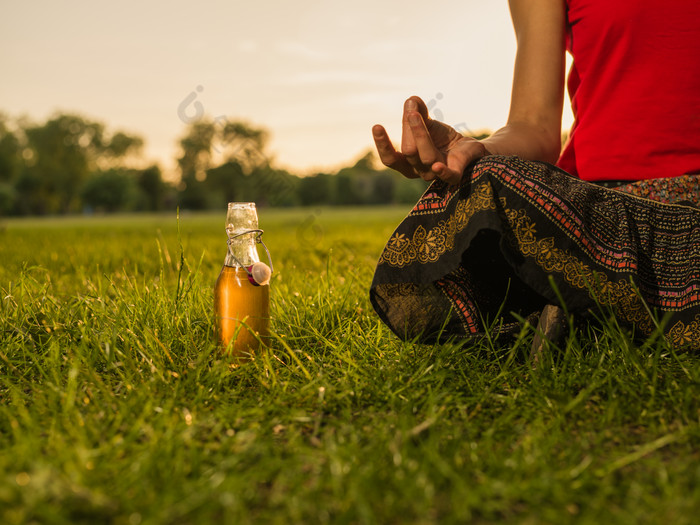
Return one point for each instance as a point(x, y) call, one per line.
point(515, 236)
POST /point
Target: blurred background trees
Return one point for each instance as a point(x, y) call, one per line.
point(72, 164)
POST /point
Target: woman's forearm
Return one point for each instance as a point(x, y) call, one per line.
point(533, 131)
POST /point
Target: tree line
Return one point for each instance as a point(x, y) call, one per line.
point(72, 164)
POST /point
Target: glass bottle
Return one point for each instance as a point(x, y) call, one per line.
point(242, 291)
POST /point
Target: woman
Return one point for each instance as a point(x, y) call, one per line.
point(501, 231)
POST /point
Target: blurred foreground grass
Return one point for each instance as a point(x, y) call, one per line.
point(115, 408)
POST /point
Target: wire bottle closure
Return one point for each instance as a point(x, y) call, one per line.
point(258, 273)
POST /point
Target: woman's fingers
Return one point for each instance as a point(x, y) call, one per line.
point(388, 154)
point(458, 158)
point(408, 145)
point(429, 149)
point(426, 151)
point(422, 153)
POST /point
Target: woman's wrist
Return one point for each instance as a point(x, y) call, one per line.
point(525, 142)
point(485, 152)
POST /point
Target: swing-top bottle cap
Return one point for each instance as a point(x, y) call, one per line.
point(260, 273)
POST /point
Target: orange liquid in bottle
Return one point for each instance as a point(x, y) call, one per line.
point(242, 312)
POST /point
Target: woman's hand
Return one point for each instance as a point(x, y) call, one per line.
point(429, 149)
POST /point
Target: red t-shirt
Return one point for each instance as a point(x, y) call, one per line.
point(635, 89)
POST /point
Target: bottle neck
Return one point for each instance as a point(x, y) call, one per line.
point(242, 250)
point(242, 232)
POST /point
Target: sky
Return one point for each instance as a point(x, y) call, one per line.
point(316, 73)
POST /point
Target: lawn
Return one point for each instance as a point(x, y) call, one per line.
point(115, 406)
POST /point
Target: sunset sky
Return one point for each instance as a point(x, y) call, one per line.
point(317, 74)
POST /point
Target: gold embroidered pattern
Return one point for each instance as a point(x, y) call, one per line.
point(622, 295)
point(682, 334)
point(428, 245)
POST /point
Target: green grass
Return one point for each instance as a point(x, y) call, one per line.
point(116, 408)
